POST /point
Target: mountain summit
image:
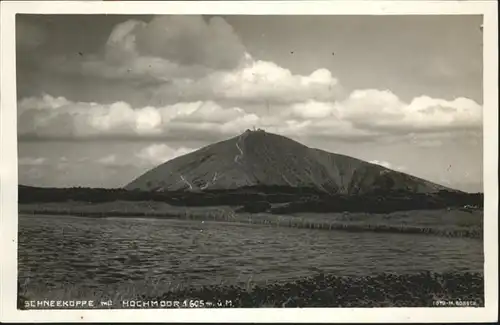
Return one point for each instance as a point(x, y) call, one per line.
point(260, 159)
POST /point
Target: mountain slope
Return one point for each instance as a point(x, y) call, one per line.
point(258, 158)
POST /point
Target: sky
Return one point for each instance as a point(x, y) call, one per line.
point(103, 98)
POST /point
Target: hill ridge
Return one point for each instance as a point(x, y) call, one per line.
point(260, 158)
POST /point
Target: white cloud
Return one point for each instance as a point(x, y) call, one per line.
point(121, 44)
point(159, 153)
point(374, 109)
point(193, 59)
point(427, 143)
point(387, 165)
point(150, 155)
point(376, 113)
point(366, 114)
point(31, 161)
point(108, 160)
point(383, 111)
point(381, 163)
point(428, 113)
point(199, 64)
point(59, 118)
point(263, 80)
point(313, 110)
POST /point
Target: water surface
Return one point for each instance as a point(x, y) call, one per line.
point(94, 252)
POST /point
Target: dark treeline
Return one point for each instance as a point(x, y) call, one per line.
point(386, 203)
point(260, 199)
point(241, 196)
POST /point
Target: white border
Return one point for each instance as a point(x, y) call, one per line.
point(8, 161)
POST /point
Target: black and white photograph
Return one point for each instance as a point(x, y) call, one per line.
point(221, 161)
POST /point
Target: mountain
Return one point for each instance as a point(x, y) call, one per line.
point(261, 159)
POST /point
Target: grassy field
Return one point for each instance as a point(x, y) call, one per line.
point(382, 290)
point(453, 223)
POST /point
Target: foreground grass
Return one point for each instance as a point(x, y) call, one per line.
point(450, 223)
point(382, 290)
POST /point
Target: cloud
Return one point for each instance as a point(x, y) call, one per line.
point(382, 110)
point(376, 113)
point(30, 161)
point(263, 80)
point(150, 155)
point(381, 163)
point(165, 48)
point(159, 153)
point(191, 58)
point(51, 117)
point(121, 44)
point(364, 114)
point(387, 165)
point(105, 165)
point(252, 81)
point(186, 40)
point(189, 40)
point(200, 67)
point(428, 143)
point(109, 160)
